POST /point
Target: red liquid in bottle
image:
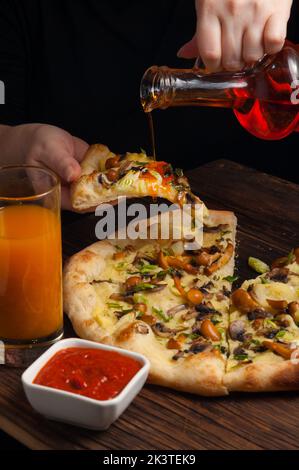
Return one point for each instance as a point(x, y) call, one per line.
point(263, 98)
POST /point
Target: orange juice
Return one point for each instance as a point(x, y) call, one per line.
point(30, 273)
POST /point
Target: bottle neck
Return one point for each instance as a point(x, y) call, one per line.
point(162, 87)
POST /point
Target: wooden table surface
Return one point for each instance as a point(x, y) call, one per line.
point(268, 213)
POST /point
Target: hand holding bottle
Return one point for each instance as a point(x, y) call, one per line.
point(232, 33)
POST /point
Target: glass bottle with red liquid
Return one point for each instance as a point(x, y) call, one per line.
point(264, 98)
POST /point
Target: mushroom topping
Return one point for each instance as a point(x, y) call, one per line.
point(149, 319)
point(222, 261)
point(112, 162)
point(205, 287)
point(140, 307)
point(215, 229)
point(142, 329)
point(179, 287)
point(293, 310)
point(153, 288)
point(204, 310)
point(209, 331)
point(163, 331)
point(279, 275)
point(270, 334)
point(277, 304)
point(195, 296)
point(207, 259)
point(243, 301)
point(181, 262)
point(140, 258)
point(200, 346)
point(283, 320)
point(112, 175)
point(132, 282)
point(237, 330)
point(102, 179)
point(122, 298)
point(278, 348)
point(258, 313)
point(176, 309)
point(189, 315)
point(178, 355)
point(173, 344)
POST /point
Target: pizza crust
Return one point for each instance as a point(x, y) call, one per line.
point(263, 377)
point(201, 374)
point(88, 192)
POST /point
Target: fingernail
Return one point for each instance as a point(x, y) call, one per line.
point(70, 176)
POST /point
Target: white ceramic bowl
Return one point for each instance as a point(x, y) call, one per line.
point(77, 409)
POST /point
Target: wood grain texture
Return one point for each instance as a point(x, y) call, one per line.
point(267, 209)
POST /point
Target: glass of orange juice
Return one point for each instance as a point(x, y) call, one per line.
point(31, 312)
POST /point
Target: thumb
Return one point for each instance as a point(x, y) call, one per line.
point(189, 50)
point(80, 148)
point(69, 164)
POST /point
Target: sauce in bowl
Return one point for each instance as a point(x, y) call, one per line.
point(93, 373)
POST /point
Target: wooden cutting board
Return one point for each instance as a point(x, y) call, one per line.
point(268, 212)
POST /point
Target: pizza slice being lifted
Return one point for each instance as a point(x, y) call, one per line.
point(106, 177)
point(264, 330)
point(156, 298)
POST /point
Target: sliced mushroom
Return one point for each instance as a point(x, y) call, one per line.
point(173, 344)
point(179, 287)
point(207, 259)
point(278, 275)
point(102, 179)
point(215, 229)
point(178, 355)
point(278, 348)
point(176, 309)
point(222, 261)
point(258, 314)
point(142, 329)
point(237, 330)
point(277, 304)
point(189, 315)
point(162, 260)
point(149, 319)
point(243, 301)
point(122, 298)
point(293, 310)
point(158, 288)
point(200, 346)
point(209, 331)
point(181, 262)
point(163, 331)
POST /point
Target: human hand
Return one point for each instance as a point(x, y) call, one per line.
point(232, 33)
point(56, 149)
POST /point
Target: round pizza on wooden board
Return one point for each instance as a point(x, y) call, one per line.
point(153, 297)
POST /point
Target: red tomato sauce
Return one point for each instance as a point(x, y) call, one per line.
point(94, 373)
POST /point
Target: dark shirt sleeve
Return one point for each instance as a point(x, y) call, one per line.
point(14, 64)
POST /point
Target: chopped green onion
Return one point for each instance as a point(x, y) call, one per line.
point(258, 265)
point(231, 278)
point(241, 357)
point(161, 314)
point(280, 334)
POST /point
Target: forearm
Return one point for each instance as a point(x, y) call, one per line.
point(14, 142)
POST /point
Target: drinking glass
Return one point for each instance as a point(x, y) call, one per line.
point(31, 312)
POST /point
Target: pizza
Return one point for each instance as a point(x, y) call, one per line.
point(160, 299)
point(106, 177)
point(264, 330)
